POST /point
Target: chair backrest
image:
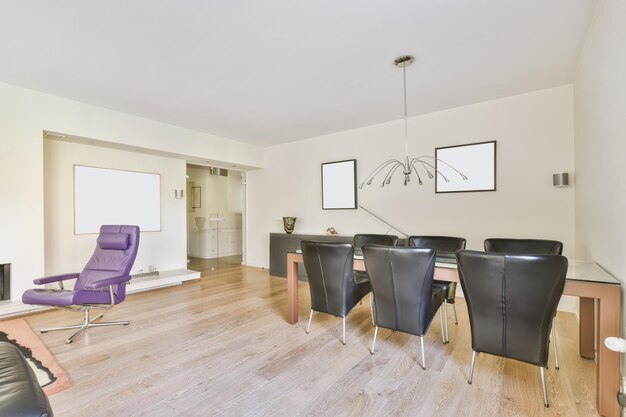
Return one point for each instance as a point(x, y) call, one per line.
point(331, 282)
point(370, 239)
point(524, 246)
point(438, 243)
point(401, 280)
point(115, 254)
point(511, 301)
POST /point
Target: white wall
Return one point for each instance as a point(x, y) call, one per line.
point(24, 115)
point(535, 139)
point(600, 115)
point(67, 252)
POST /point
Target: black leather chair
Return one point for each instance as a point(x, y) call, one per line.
point(532, 247)
point(20, 393)
point(524, 246)
point(362, 239)
point(331, 281)
point(443, 246)
point(402, 282)
point(511, 300)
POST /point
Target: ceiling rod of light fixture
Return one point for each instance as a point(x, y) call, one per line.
point(408, 166)
point(405, 61)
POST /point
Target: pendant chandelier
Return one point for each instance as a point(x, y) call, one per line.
point(409, 166)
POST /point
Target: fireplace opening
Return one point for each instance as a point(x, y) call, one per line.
point(5, 282)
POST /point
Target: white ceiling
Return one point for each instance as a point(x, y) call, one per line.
point(268, 72)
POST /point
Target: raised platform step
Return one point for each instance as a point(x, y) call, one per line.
point(137, 284)
point(163, 279)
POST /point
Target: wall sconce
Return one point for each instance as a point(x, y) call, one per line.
point(560, 179)
point(617, 344)
point(178, 193)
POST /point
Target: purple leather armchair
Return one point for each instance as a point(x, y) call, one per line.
point(101, 285)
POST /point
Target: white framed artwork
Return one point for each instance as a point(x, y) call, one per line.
point(477, 161)
point(339, 185)
point(115, 196)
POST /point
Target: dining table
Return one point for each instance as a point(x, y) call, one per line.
point(599, 315)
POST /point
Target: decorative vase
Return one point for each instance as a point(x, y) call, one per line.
point(289, 223)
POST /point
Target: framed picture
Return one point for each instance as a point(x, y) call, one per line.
point(477, 161)
point(196, 197)
point(339, 185)
point(97, 192)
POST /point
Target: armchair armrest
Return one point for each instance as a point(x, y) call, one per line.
point(55, 278)
point(107, 282)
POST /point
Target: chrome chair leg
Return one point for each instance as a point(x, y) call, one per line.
point(75, 335)
point(554, 337)
point(445, 315)
point(54, 329)
point(471, 373)
point(372, 308)
point(87, 323)
point(374, 341)
point(423, 354)
point(456, 319)
point(443, 334)
point(110, 323)
point(343, 325)
point(74, 326)
point(99, 316)
point(308, 327)
point(543, 386)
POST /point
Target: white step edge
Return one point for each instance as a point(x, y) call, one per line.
point(164, 279)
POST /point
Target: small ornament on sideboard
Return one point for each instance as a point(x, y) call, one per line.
point(331, 231)
point(289, 223)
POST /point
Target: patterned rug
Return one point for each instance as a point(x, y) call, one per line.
point(49, 373)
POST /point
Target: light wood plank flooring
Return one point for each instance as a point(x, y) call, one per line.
point(221, 346)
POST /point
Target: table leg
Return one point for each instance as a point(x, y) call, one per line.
point(586, 325)
point(292, 291)
point(608, 366)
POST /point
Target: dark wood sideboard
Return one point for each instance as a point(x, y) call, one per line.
point(282, 243)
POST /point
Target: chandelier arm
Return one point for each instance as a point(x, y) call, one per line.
point(430, 174)
point(387, 179)
point(415, 160)
point(419, 179)
point(446, 179)
point(444, 162)
point(376, 170)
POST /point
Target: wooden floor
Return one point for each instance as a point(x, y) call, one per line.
point(221, 346)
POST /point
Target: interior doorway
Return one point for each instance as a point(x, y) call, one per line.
point(215, 217)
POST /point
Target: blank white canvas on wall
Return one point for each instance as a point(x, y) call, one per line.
point(477, 161)
point(112, 196)
point(339, 185)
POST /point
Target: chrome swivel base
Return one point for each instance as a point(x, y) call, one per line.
point(87, 323)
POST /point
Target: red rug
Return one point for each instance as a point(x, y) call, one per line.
point(49, 373)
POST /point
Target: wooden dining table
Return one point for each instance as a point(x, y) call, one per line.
point(586, 280)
